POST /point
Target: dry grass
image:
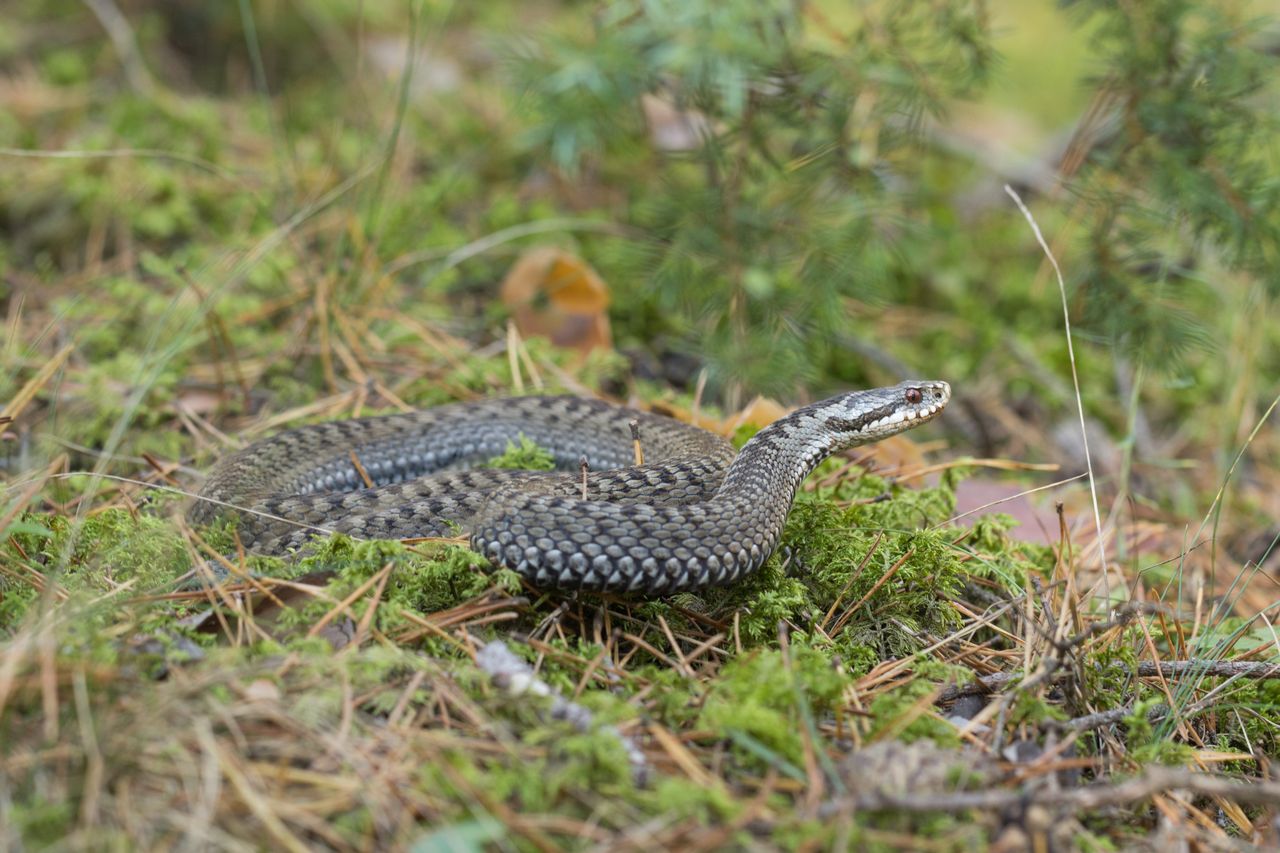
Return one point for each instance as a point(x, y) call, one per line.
point(381, 737)
point(155, 693)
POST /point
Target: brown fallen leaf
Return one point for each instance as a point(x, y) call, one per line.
point(759, 413)
point(557, 295)
point(894, 455)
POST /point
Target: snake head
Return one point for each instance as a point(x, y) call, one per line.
point(864, 416)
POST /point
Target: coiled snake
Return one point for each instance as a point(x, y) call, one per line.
point(693, 515)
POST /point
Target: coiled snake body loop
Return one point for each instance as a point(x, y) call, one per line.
point(693, 515)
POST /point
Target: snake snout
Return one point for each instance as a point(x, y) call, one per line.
point(932, 398)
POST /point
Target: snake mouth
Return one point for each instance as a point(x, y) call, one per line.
point(924, 401)
point(922, 414)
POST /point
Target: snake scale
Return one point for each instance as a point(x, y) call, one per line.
point(695, 514)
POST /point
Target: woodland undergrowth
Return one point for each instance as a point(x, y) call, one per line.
point(220, 222)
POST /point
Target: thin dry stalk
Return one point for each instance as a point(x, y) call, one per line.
point(1075, 381)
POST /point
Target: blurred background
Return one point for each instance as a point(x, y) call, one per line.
point(217, 212)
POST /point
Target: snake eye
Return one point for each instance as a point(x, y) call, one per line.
point(914, 396)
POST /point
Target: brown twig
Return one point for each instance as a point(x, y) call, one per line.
point(635, 441)
point(28, 392)
point(997, 681)
point(364, 475)
point(1153, 781)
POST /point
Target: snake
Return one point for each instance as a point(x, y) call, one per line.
point(693, 514)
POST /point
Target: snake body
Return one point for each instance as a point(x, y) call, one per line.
point(693, 515)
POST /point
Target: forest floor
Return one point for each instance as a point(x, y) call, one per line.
point(945, 654)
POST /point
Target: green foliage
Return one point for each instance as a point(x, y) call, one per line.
point(564, 765)
point(887, 713)
point(849, 552)
point(110, 547)
point(1145, 746)
point(771, 213)
point(42, 822)
point(755, 702)
point(526, 456)
point(802, 197)
point(419, 584)
point(1182, 180)
point(1088, 842)
point(679, 797)
point(999, 556)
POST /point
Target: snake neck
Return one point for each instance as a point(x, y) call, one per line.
point(782, 454)
point(788, 450)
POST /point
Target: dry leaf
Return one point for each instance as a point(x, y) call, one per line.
point(559, 296)
point(262, 690)
point(759, 413)
point(895, 453)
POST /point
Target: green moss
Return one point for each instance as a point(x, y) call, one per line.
point(418, 584)
point(103, 555)
point(560, 767)
point(900, 578)
point(682, 798)
point(755, 703)
point(526, 456)
point(1033, 709)
point(1089, 842)
point(1000, 557)
point(41, 822)
point(175, 277)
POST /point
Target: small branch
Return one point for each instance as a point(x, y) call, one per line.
point(1105, 718)
point(1209, 668)
point(998, 681)
point(360, 469)
point(1123, 617)
point(1157, 713)
point(1152, 781)
point(586, 468)
point(635, 441)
